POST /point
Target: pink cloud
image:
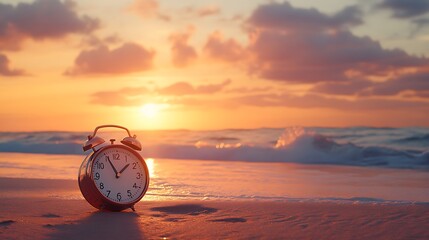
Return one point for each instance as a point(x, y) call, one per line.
point(208, 10)
point(184, 88)
point(123, 97)
point(204, 11)
point(38, 20)
point(41, 19)
point(223, 49)
point(128, 58)
point(182, 52)
point(248, 90)
point(136, 96)
point(351, 87)
point(319, 101)
point(283, 16)
point(148, 9)
point(5, 70)
point(299, 45)
point(414, 84)
point(179, 88)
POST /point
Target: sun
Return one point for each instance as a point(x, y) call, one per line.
point(150, 109)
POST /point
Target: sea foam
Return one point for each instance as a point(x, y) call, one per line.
point(382, 147)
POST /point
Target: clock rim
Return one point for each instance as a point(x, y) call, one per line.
point(105, 202)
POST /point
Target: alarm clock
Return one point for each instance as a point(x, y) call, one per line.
point(113, 177)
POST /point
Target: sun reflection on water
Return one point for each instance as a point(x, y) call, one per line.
point(150, 166)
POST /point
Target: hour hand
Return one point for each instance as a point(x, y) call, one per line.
point(123, 169)
point(113, 167)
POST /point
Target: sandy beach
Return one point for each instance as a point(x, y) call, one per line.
point(59, 217)
point(54, 209)
point(213, 200)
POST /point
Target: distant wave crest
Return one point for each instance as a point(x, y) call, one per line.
point(295, 144)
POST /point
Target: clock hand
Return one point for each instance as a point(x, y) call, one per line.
point(113, 167)
point(123, 169)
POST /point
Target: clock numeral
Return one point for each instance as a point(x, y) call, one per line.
point(129, 193)
point(101, 185)
point(99, 165)
point(108, 193)
point(97, 176)
point(107, 158)
point(134, 165)
point(135, 185)
point(118, 196)
point(138, 175)
point(116, 156)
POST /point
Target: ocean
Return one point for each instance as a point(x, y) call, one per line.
point(360, 164)
point(401, 148)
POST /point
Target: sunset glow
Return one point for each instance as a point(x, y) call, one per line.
point(150, 109)
point(153, 64)
point(151, 166)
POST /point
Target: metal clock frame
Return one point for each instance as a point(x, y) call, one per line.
point(86, 179)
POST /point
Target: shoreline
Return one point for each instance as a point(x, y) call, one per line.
point(67, 189)
point(195, 179)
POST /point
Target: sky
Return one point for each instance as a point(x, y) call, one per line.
point(157, 64)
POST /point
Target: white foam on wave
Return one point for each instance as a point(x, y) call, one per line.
point(295, 144)
point(299, 146)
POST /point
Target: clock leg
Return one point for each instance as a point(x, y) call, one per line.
point(132, 208)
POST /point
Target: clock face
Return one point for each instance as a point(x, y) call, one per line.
point(119, 175)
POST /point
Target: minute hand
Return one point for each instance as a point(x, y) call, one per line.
point(123, 169)
point(113, 167)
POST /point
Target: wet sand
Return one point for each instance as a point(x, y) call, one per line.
point(173, 179)
point(39, 213)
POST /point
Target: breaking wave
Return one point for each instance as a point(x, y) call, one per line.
point(295, 144)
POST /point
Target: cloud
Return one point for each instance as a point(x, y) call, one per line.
point(351, 87)
point(128, 58)
point(184, 88)
point(182, 52)
point(5, 69)
point(148, 9)
point(247, 90)
point(415, 84)
point(306, 101)
point(41, 19)
point(422, 94)
point(283, 16)
point(38, 20)
point(95, 41)
point(204, 11)
point(297, 45)
point(208, 10)
point(405, 8)
point(223, 49)
point(137, 96)
point(183, 93)
point(123, 97)
point(318, 101)
point(420, 24)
